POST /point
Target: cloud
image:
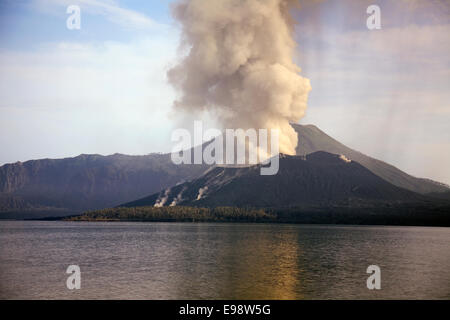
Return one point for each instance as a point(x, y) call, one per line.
point(67, 74)
point(351, 14)
point(239, 65)
point(69, 98)
point(110, 9)
point(385, 92)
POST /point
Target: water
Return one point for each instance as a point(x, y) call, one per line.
point(221, 261)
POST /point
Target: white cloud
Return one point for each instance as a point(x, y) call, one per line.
point(71, 98)
point(108, 8)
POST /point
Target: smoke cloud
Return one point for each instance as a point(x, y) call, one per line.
point(201, 192)
point(239, 65)
point(161, 201)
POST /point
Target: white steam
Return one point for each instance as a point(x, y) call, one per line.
point(178, 198)
point(344, 158)
point(201, 192)
point(239, 65)
point(162, 200)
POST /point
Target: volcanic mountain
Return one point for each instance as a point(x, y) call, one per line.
point(70, 185)
point(319, 179)
point(312, 139)
point(53, 187)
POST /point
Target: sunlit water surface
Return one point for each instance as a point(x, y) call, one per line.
point(221, 261)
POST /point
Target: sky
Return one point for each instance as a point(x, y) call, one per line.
point(103, 89)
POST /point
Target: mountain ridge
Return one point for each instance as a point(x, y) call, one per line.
point(315, 139)
point(319, 179)
point(89, 182)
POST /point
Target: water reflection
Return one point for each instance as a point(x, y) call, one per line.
point(232, 263)
point(221, 261)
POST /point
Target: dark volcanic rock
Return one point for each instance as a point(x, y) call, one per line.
point(319, 179)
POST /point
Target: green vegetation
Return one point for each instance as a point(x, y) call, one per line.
point(388, 214)
point(176, 214)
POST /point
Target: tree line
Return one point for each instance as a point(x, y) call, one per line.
point(402, 214)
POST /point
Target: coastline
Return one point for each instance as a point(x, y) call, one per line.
point(394, 216)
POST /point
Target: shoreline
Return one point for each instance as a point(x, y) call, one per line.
point(388, 215)
point(51, 219)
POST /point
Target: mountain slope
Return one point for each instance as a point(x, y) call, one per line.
point(321, 179)
point(312, 139)
point(87, 181)
point(92, 181)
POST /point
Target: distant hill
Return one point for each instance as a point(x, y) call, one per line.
point(87, 181)
point(319, 179)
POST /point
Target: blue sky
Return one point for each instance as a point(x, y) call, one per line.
point(103, 89)
point(25, 24)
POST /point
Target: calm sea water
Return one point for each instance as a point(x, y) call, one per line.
point(221, 261)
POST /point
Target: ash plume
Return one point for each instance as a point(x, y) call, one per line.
point(238, 65)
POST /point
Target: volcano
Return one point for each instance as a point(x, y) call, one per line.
point(318, 179)
point(50, 187)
